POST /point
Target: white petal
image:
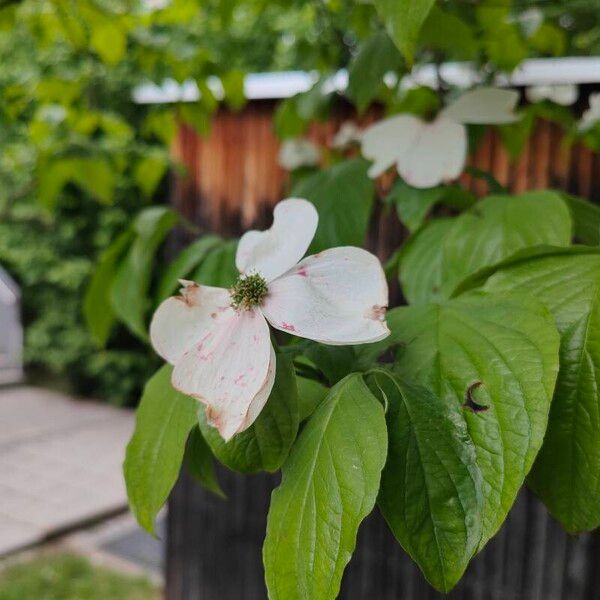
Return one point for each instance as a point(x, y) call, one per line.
point(437, 155)
point(259, 401)
point(180, 321)
point(565, 94)
point(297, 153)
point(592, 115)
point(227, 368)
point(484, 105)
point(338, 296)
point(276, 250)
point(388, 140)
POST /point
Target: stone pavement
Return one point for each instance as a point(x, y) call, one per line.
point(60, 464)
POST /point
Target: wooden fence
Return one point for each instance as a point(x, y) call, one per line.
point(214, 546)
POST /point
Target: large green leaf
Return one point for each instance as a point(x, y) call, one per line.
point(329, 485)
point(586, 219)
point(448, 33)
point(404, 19)
point(413, 204)
point(267, 442)
point(310, 394)
point(201, 464)
point(490, 231)
point(343, 196)
point(567, 471)
point(154, 454)
point(185, 262)
point(431, 487)
point(218, 268)
point(377, 56)
point(97, 310)
point(130, 290)
point(501, 353)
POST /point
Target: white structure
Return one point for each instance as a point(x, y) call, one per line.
point(11, 331)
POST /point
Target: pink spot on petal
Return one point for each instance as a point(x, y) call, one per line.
point(287, 326)
point(303, 272)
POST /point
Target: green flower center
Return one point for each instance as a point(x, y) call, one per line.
point(248, 292)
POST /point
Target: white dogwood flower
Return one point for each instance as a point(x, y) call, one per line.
point(219, 341)
point(298, 152)
point(348, 134)
point(563, 94)
point(591, 116)
point(429, 153)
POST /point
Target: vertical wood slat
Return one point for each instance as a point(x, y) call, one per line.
point(214, 546)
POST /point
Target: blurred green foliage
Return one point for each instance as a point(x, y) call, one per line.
point(78, 158)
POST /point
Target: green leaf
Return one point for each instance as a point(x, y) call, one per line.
point(200, 463)
point(329, 485)
point(420, 263)
point(377, 56)
point(185, 262)
point(567, 470)
point(441, 255)
point(129, 295)
point(586, 219)
point(404, 19)
point(233, 86)
point(431, 487)
point(448, 33)
point(288, 123)
point(196, 115)
point(109, 41)
point(149, 172)
point(266, 443)
point(413, 204)
point(500, 352)
point(154, 454)
point(310, 395)
point(218, 268)
point(343, 196)
point(94, 175)
point(97, 310)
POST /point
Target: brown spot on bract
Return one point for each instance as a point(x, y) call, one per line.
point(470, 403)
point(377, 312)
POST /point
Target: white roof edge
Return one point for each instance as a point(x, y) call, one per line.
point(263, 86)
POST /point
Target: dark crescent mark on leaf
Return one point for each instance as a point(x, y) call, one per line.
point(470, 403)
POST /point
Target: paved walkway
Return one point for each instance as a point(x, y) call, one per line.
point(60, 463)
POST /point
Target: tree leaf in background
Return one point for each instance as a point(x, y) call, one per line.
point(184, 263)
point(310, 395)
point(403, 20)
point(97, 309)
point(266, 443)
point(513, 370)
point(494, 186)
point(195, 115)
point(413, 204)
point(109, 41)
point(566, 475)
point(129, 295)
point(586, 219)
point(164, 420)
point(288, 123)
point(448, 33)
point(431, 487)
point(377, 56)
point(93, 175)
point(439, 257)
point(329, 485)
point(200, 463)
point(218, 268)
point(233, 88)
point(149, 171)
point(343, 196)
